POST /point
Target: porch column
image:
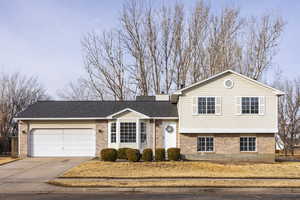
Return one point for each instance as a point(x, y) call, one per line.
point(138, 138)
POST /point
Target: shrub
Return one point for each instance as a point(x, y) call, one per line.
point(174, 154)
point(122, 153)
point(133, 155)
point(160, 154)
point(147, 155)
point(109, 154)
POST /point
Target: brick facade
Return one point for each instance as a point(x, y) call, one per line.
point(101, 135)
point(227, 147)
point(23, 138)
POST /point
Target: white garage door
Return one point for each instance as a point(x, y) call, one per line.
point(62, 142)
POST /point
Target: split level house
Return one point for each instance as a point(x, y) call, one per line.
point(227, 117)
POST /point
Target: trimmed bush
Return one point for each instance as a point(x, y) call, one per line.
point(160, 154)
point(173, 154)
point(122, 153)
point(109, 154)
point(133, 155)
point(147, 155)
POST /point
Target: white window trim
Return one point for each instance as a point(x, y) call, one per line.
point(207, 114)
point(250, 114)
point(255, 143)
point(136, 132)
point(205, 143)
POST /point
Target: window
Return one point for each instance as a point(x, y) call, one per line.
point(205, 144)
point(143, 132)
point(247, 143)
point(113, 132)
point(206, 105)
point(128, 132)
point(250, 105)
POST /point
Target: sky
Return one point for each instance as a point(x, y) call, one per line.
point(42, 37)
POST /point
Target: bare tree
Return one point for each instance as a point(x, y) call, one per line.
point(16, 93)
point(104, 62)
point(159, 48)
point(289, 114)
point(81, 90)
point(261, 45)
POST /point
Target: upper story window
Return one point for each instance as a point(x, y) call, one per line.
point(210, 105)
point(206, 105)
point(127, 132)
point(250, 105)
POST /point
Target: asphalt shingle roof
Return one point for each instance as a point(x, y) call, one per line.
point(97, 109)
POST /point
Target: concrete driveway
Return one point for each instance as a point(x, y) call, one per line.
point(30, 174)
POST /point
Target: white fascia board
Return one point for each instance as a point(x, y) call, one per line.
point(276, 91)
point(84, 118)
point(213, 130)
point(127, 109)
point(164, 118)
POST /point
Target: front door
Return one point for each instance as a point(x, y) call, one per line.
point(169, 134)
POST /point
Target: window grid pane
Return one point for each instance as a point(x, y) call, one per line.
point(211, 105)
point(205, 144)
point(250, 105)
point(247, 144)
point(113, 132)
point(127, 132)
point(202, 105)
point(206, 105)
point(143, 132)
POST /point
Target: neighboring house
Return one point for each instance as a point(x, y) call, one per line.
point(226, 117)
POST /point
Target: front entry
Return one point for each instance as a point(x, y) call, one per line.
point(169, 134)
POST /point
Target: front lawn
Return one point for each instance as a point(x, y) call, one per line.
point(4, 160)
point(100, 169)
point(179, 183)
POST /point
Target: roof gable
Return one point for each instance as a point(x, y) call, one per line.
point(275, 91)
point(126, 111)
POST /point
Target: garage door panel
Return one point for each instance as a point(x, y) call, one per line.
point(63, 142)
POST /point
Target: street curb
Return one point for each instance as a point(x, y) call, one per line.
point(179, 178)
point(170, 190)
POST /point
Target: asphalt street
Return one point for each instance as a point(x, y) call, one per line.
point(148, 196)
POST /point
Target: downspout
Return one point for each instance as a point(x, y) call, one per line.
point(19, 139)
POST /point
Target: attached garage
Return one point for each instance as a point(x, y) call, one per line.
point(62, 143)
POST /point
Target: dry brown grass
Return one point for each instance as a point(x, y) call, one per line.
point(101, 169)
point(179, 183)
point(4, 160)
